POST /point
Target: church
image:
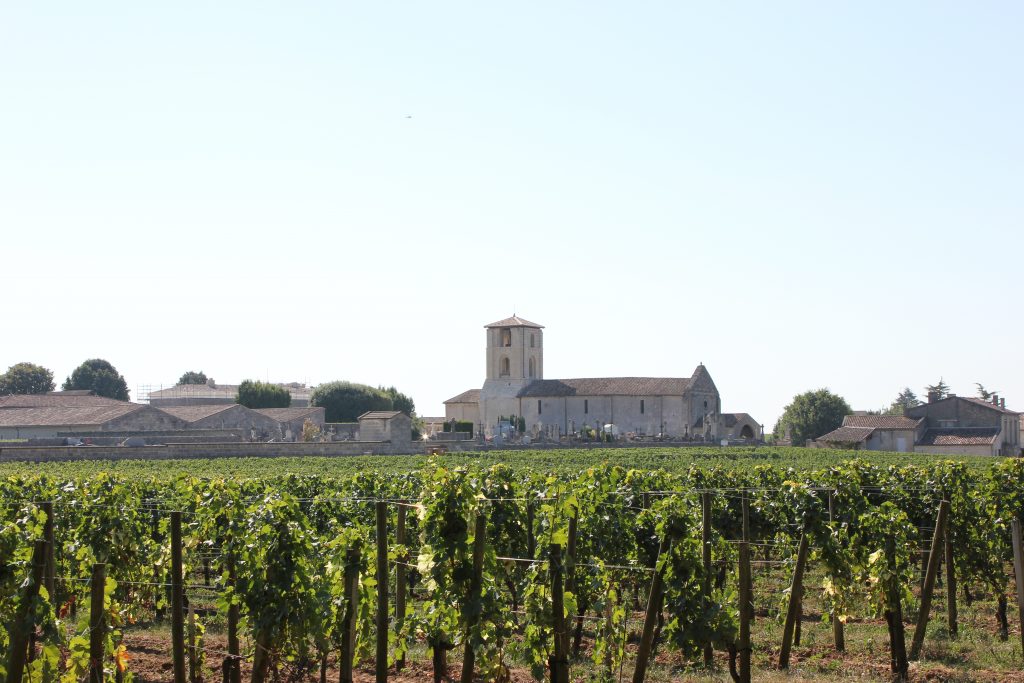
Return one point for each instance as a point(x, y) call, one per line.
point(684, 408)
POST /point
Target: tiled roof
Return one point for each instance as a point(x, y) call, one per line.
point(470, 396)
point(607, 386)
point(514, 321)
point(57, 399)
point(847, 435)
point(380, 415)
point(881, 421)
point(983, 436)
point(51, 416)
point(196, 413)
point(287, 414)
point(988, 404)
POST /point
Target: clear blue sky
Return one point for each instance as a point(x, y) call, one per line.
point(797, 194)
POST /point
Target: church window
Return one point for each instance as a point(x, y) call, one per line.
point(505, 368)
point(641, 406)
point(532, 340)
point(586, 406)
point(533, 368)
point(506, 337)
point(538, 407)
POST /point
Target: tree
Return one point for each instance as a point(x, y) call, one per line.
point(811, 415)
point(193, 377)
point(904, 400)
point(940, 390)
point(99, 376)
point(256, 394)
point(26, 378)
point(400, 401)
point(346, 401)
point(985, 393)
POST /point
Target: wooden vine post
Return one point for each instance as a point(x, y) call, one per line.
point(348, 619)
point(557, 662)
point(570, 580)
point(97, 622)
point(381, 662)
point(193, 653)
point(750, 574)
point(705, 498)
point(23, 625)
point(838, 628)
point(1018, 572)
point(400, 581)
point(929, 581)
point(158, 576)
point(177, 601)
point(951, 611)
point(654, 601)
point(233, 667)
point(474, 597)
point(50, 565)
point(746, 609)
point(894, 618)
point(795, 593)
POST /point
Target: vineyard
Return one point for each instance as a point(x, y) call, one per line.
point(462, 568)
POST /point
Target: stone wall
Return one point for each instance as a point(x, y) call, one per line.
point(208, 450)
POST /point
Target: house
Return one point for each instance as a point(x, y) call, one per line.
point(959, 425)
point(952, 426)
point(875, 433)
point(682, 407)
point(740, 426)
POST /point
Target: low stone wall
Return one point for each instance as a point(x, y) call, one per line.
point(204, 450)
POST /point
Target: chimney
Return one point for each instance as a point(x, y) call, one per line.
point(933, 396)
point(995, 399)
point(1002, 403)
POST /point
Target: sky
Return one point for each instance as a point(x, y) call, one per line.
point(797, 194)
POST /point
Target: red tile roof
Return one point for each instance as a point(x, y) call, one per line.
point(983, 436)
point(847, 435)
point(881, 421)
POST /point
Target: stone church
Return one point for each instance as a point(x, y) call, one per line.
point(687, 408)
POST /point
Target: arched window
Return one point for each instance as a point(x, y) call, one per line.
point(533, 367)
point(505, 368)
point(506, 337)
point(532, 340)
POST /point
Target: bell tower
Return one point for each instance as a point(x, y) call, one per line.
point(515, 350)
point(515, 358)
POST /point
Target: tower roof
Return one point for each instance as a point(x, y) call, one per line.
point(514, 321)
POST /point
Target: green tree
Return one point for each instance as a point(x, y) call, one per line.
point(941, 390)
point(99, 376)
point(193, 377)
point(812, 414)
point(346, 401)
point(904, 400)
point(400, 401)
point(26, 378)
point(985, 393)
point(256, 394)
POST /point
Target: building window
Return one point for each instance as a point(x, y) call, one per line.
point(505, 368)
point(506, 337)
point(532, 340)
point(641, 406)
point(538, 407)
point(533, 367)
point(586, 406)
